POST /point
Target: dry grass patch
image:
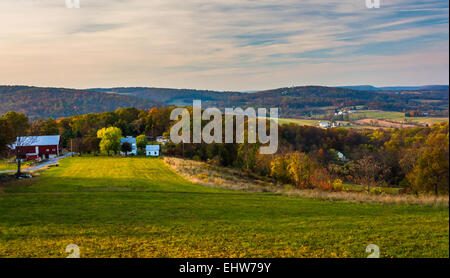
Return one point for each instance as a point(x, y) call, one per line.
point(221, 177)
point(218, 177)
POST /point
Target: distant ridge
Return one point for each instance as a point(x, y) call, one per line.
point(393, 88)
point(38, 102)
point(293, 102)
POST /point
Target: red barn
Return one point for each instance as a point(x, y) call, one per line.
point(38, 147)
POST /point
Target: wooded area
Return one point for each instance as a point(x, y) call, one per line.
point(308, 157)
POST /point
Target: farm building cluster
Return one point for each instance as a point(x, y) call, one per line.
point(49, 146)
point(150, 150)
point(333, 124)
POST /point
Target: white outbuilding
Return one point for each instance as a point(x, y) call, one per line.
point(152, 150)
point(324, 124)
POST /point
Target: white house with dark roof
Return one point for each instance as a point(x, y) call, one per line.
point(152, 150)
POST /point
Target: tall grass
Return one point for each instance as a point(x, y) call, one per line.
point(221, 177)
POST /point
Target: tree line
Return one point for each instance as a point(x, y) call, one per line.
point(416, 159)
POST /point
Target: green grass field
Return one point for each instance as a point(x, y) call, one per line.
point(395, 116)
point(299, 121)
point(137, 207)
point(5, 165)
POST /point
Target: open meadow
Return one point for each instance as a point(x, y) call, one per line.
point(138, 207)
point(398, 117)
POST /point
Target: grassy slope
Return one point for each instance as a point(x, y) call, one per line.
point(5, 165)
point(121, 207)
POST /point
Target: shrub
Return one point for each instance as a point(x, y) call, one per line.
point(376, 190)
point(337, 185)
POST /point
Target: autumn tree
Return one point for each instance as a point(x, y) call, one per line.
point(141, 143)
point(44, 127)
point(300, 168)
point(431, 172)
point(278, 169)
point(110, 139)
point(91, 145)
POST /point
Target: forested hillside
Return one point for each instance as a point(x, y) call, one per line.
point(297, 102)
point(294, 102)
point(173, 96)
point(58, 102)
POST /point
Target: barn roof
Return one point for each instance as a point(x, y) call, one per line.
point(38, 140)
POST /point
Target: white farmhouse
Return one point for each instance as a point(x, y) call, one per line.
point(152, 150)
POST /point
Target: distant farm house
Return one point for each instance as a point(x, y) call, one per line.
point(152, 150)
point(161, 139)
point(38, 147)
point(132, 142)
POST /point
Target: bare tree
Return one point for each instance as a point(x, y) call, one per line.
point(369, 171)
point(20, 151)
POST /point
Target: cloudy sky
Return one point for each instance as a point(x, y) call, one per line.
point(223, 44)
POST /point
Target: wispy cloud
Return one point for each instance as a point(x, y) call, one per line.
point(222, 44)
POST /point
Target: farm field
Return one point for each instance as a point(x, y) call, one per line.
point(364, 118)
point(299, 121)
point(395, 116)
point(138, 207)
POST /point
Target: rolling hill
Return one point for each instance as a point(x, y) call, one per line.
point(138, 207)
point(294, 102)
point(59, 102)
point(172, 96)
point(401, 88)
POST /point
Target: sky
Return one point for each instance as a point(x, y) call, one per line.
point(234, 45)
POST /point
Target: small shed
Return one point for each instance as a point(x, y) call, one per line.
point(324, 124)
point(152, 150)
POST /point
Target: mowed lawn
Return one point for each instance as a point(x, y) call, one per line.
point(137, 207)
